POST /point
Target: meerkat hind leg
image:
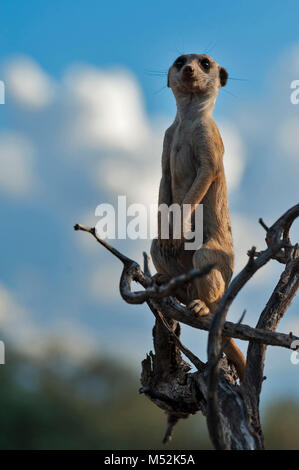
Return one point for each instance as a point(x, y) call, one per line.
point(209, 291)
point(168, 267)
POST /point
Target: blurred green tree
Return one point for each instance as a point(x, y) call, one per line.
point(57, 404)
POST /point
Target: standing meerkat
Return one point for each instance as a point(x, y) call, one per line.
point(192, 174)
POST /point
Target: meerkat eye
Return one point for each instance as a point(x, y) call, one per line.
point(205, 63)
point(179, 62)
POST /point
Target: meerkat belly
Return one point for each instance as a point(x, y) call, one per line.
point(182, 170)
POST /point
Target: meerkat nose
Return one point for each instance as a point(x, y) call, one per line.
point(188, 70)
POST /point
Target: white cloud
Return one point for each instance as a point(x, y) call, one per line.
point(110, 112)
point(17, 176)
point(107, 114)
point(71, 340)
point(139, 182)
point(271, 125)
point(293, 60)
point(246, 234)
point(16, 324)
point(104, 281)
point(288, 138)
point(28, 84)
point(10, 312)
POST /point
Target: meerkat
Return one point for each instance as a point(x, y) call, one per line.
point(192, 174)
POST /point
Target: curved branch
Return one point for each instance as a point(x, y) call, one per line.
point(175, 310)
point(277, 305)
point(154, 291)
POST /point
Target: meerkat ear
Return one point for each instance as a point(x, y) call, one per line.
point(223, 75)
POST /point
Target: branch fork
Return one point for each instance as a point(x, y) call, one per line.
point(212, 388)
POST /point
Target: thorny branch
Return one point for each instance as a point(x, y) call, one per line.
point(213, 388)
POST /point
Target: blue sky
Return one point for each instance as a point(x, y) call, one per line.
point(245, 36)
point(71, 51)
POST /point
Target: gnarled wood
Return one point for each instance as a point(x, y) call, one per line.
point(232, 410)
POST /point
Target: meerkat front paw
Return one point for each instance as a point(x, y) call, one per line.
point(199, 308)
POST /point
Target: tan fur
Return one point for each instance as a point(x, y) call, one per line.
point(193, 173)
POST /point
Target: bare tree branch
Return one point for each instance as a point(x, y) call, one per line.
point(275, 244)
point(277, 305)
point(177, 311)
point(212, 389)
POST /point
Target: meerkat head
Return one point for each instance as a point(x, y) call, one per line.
point(196, 74)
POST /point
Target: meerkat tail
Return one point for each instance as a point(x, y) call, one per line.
point(236, 357)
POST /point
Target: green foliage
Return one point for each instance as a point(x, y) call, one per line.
point(282, 426)
point(57, 404)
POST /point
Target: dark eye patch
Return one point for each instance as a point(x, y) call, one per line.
point(180, 62)
point(205, 63)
